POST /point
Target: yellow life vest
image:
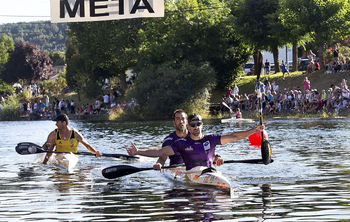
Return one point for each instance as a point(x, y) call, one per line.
point(70, 145)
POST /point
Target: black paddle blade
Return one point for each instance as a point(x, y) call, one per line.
point(120, 170)
point(266, 152)
point(28, 148)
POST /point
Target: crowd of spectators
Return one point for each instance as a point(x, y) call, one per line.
point(44, 108)
point(275, 100)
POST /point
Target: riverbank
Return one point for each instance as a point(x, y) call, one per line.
point(319, 81)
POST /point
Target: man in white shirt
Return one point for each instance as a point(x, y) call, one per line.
point(345, 93)
point(106, 99)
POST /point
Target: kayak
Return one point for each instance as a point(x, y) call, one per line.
point(201, 175)
point(65, 161)
point(234, 120)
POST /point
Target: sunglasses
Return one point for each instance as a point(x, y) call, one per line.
point(195, 124)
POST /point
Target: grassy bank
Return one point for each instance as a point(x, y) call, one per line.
point(319, 80)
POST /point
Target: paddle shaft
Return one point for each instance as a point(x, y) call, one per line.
point(26, 148)
point(259, 60)
point(265, 145)
point(223, 103)
point(124, 170)
point(92, 154)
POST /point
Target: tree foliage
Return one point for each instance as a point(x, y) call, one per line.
point(57, 58)
point(27, 62)
point(196, 31)
point(49, 36)
point(6, 45)
point(324, 20)
point(160, 89)
point(259, 23)
point(108, 48)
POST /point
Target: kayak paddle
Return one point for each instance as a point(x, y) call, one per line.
point(26, 148)
point(123, 170)
point(225, 104)
point(265, 145)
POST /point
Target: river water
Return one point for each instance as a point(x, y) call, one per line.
point(308, 180)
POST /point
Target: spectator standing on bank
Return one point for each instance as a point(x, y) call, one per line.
point(72, 107)
point(306, 84)
point(284, 70)
point(68, 106)
point(335, 53)
point(235, 90)
point(106, 100)
point(267, 67)
point(47, 101)
point(229, 91)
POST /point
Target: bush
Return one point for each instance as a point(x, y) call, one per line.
point(10, 110)
point(160, 89)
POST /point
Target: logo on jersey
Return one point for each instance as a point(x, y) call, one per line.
point(188, 148)
point(206, 145)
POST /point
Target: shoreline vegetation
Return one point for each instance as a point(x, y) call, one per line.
point(319, 80)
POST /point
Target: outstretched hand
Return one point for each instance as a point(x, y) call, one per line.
point(157, 166)
point(132, 151)
point(218, 161)
point(98, 154)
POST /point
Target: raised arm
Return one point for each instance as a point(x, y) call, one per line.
point(154, 152)
point(240, 135)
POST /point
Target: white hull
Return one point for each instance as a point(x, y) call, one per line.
point(234, 120)
point(67, 161)
point(196, 177)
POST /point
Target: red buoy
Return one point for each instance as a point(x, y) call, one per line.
point(255, 139)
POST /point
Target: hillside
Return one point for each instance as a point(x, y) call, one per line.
point(319, 80)
point(50, 37)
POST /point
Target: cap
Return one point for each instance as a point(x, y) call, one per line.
point(61, 117)
point(194, 117)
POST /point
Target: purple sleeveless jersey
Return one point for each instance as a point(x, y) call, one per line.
point(170, 139)
point(197, 152)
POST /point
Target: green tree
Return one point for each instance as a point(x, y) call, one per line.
point(49, 36)
point(76, 75)
point(57, 58)
point(6, 46)
point(108, 48)
point(160, 89)
point(324, 20)
point(260, 25)
point(196, 31)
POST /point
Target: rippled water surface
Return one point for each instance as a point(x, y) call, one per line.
point(308, 180)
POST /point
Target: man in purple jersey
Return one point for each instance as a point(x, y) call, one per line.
point(196, 149)
point(180, 123)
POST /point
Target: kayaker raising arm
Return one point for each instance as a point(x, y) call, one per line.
point(196, 149)
point(66, 139)
point(180, 122)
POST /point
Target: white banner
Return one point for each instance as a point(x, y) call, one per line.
point(99, 10)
